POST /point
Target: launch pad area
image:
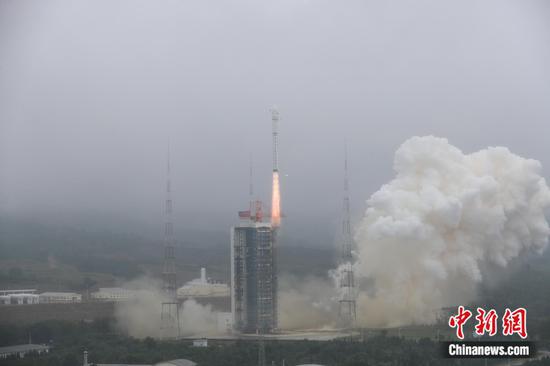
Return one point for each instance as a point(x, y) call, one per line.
point(433, 332)
point(285, 335)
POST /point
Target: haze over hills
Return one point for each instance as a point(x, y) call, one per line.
point(60, 256)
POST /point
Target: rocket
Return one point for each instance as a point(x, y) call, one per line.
point(275, 124)
point(276, 195)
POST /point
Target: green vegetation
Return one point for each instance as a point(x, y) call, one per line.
point(543, 362)
point(69, 340)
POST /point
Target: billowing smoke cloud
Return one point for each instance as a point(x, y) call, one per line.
point(429, 236)
point(306, 303)
point(140, 317)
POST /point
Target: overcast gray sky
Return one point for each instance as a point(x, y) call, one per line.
point(91, 90)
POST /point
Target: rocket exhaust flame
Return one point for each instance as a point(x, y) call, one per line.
point(276, 202)
point(276, 194)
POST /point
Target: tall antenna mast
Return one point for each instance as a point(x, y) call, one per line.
point(347, 280)
point(251, 186)
point(346, 225)
point(169, 318)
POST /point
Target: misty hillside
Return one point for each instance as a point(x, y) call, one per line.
point(61, 258)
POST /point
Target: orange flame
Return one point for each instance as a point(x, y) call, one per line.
point(276, 202)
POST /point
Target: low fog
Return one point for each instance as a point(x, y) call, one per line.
point(91, 92)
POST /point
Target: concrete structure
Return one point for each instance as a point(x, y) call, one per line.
point(20, 351)
point(59, 297)
point(317, 335)
point(18, 297)
point(224, 322)
point(113, 294)
point(203, 342)
point(178, 362)
point(15, 292)
point(253, 278)
point(203, 287)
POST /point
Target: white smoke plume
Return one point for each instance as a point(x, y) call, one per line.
point(306, 303)
point(429, 235)
point(140, 317)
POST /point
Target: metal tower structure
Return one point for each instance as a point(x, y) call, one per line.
point(254, 284)
point(169, 326)
point(347, 280)
point(253, 295)
point(261, 352)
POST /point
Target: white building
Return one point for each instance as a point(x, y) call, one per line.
point(113, 294)
point(22, 350)
point(203, 342)
point(179, 362)
point(18, 297)
point(24, 299)
point(203, 287)
point(59, 297)
point(15, 292)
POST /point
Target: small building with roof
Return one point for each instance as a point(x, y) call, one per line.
point(21, 350)
point(177, 362)
point(59, 297)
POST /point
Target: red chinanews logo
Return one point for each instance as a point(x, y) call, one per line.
point(513, 322)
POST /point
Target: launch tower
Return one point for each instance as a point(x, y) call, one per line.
point(253, 258)
point(169, 318)
point(253, 276)
point(347, 280)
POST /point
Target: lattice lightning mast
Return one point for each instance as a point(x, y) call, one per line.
point(169, 327)
point(347, 280)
